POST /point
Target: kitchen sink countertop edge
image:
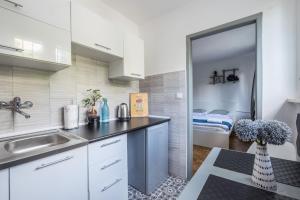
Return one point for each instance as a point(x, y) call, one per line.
point(84, 134)
point(7, 161)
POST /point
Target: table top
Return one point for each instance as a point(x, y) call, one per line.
point(196, 184)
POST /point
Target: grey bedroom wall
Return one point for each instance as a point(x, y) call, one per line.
point(163, 100)
point(234, 97)
point(50, 91)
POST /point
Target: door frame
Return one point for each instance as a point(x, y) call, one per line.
point(254, 19)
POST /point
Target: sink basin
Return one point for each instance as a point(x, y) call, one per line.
point(20, 146)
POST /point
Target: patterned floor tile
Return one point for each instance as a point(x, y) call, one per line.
point(169, 190)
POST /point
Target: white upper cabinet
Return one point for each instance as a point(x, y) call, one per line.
point(53, 12)
point(62, 176)
point(4, 184)
point(132, 66)
point(27, 42)
point(93, 36)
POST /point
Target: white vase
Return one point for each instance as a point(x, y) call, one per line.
point(263, 175)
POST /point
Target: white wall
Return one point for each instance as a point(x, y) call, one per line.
point(279, 58)
point(234, 97)
point(298, 46)
point(165, 42)
point(109, 13)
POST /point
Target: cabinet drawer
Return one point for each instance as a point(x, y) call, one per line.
point(53, 12)
point(108, 180)
point(24, 37)
point(106, 149)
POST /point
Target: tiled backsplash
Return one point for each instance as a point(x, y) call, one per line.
point(163, 101)
point(50, 91)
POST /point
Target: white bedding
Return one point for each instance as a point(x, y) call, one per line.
point(213, 120)
point(211, 136)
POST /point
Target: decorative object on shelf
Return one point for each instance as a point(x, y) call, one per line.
point(139, 105)
point(263, 132)
point(216, 78)
point(232, 77)
point(15, 106)
point(298, 137)
point(104, 111)
point(92, 97)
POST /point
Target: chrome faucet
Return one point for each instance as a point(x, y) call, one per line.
point(15, 105)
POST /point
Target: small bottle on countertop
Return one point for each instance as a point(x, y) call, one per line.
point(104, 111)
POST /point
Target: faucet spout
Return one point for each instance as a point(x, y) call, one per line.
point(27, 116)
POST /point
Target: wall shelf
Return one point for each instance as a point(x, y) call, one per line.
point(294, 100)
point(224, 78)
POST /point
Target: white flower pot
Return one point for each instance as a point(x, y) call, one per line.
point(263, 175)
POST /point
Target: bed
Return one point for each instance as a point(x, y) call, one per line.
point(212, 129)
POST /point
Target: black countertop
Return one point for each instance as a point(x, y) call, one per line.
point(87, 134)
point(103, 131)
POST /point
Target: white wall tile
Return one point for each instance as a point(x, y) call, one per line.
point(6, 85)
point(50, 91)
point(32, 85)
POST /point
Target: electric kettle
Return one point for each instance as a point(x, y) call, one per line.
point(123, 112)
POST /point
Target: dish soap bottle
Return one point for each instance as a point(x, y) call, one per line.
point(105, 111)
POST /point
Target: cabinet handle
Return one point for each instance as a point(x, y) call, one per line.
point(54, 162)
point(111, 164)
point(14, 3)
point(11, 48)
point(133, 74)
point(109, 186)
point(99, 45)
point(110, 143)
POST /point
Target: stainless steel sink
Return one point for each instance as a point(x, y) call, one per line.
point(20, 149)
point(34, 143)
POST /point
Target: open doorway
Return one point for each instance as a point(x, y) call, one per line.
point(224, 85)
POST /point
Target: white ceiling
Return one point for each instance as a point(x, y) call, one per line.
point(224, 45)
point(140, 11)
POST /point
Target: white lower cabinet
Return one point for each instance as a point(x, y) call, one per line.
point(4, 184)
point(108, 171)
point(61, 177)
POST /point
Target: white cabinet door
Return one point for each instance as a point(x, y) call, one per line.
point(92, 31)
point(4, 185)
point(25, 37)
point(133, 64)
point(60, 177)
point(134, 57)
point(53, 12)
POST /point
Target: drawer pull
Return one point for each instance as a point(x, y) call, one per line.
point(54, 162)
point(99, 45)
point(109, 186)
point(111, 164)
point(11, 48)
point(133, 74)
point(14, 3)
point(110, 143)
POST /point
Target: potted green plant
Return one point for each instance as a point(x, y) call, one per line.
point(92, 97)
